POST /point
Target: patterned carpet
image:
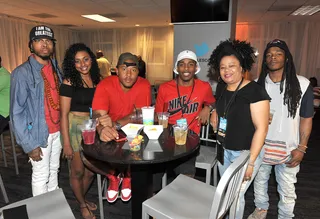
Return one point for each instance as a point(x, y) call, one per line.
point(308, 187)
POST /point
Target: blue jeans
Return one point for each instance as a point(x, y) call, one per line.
point(229, 157)
point(286, 178)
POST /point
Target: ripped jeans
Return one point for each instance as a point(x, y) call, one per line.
point(286, 178)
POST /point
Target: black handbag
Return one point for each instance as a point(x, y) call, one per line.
point(220, 149)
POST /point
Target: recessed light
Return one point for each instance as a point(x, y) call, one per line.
point(98, 17)
point(137, 25)
point(306, 10)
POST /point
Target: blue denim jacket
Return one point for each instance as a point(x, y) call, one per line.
point(27, 105)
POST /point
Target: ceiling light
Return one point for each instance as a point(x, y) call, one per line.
point(306, 10)
point(98, 17)
point(137, 25)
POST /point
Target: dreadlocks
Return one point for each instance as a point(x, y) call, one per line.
point(69, 69)
point(292, 93)
point(240, 49)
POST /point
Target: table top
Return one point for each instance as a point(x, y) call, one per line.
point(152, 151)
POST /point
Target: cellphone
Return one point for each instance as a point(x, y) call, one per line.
point(122, 137)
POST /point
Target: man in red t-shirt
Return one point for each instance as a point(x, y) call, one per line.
point(119, 96)
point(186, 97)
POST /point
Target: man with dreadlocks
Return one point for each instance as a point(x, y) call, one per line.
point(289, 129)
point(35, 109)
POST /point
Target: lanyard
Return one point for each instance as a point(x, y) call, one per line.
point(227, 106)
point(180, 100)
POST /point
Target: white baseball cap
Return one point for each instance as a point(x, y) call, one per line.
point(187, 54)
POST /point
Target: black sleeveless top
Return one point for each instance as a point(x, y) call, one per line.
point(81, 98)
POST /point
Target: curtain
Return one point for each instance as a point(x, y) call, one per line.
point(303, 39)
point(14, 38)
point(154, 44)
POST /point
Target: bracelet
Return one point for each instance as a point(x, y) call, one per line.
point(305, 146)
point(300, 150)
point(251, 164)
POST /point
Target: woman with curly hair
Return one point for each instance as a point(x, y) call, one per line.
point(81, 74)
point(242, 110)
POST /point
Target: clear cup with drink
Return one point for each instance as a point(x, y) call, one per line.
point(180, 134)
point(88, 131)
point(163, 118)
point(148, 115)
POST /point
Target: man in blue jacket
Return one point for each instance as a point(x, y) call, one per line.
point(35, 109)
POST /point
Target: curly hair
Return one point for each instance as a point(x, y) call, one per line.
point(69, 69)
point(292, 93)
point(242, 50)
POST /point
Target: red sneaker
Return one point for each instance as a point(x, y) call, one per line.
point(113, 187)
point(126, 189)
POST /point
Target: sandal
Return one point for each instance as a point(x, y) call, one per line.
point(90, 216)
point(92, 206)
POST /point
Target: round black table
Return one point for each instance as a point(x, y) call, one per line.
point(100, 155)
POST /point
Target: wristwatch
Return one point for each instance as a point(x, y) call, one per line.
point(118, 126)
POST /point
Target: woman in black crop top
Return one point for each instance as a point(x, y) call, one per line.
point(242, 110)
point(81, 73)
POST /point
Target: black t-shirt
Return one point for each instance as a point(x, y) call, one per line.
point(240, 128)
point(306, 109)
point(81, 98)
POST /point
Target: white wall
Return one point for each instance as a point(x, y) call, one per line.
point(203, 38)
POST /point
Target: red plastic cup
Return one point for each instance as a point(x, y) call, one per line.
point(88, 130)
point(88, 136)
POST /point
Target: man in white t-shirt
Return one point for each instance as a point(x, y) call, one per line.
point(104, 65)
point(290, 124)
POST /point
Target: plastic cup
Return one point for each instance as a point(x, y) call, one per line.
point(88, 130)
point(180, 134)
point(163, 119)
point(136, 118)
point(148, 115)
point(272, 112)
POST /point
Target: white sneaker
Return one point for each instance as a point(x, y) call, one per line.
point(258, 214)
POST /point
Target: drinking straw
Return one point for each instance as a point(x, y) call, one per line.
point(164, 105)
point(135, 108)
point(90, 109)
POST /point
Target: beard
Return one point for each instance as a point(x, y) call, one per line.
point(44, 57)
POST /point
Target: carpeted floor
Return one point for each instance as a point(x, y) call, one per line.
point(308, 186)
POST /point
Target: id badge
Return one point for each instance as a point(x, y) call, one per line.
point(222, 127)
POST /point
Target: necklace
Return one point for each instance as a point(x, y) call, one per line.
point(84, 83)
point(48, 95)
point(227, 105)
point(180, 101)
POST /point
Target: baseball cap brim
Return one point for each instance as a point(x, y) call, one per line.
point(43, 37)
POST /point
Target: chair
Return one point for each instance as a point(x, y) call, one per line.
point(3, 190)
point(207, 158)
point(13, 145)
point(51, 205)
point(101, 198)
point(186, 197)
